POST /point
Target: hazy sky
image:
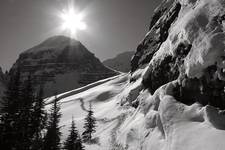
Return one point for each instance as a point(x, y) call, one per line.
point(113, 26)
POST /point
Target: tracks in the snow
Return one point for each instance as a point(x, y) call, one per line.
point(120, 119)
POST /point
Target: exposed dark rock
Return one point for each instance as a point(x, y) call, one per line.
point(161, 73)
point(167, 69)
point(170, 18)
point(207, 90)
point(156, 17)
point(220, 19)
point(182, 50)
point(158, 33)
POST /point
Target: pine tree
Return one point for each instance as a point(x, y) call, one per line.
point(39, 119)
point(79, 144)
point(9, 112)
point(52, 137)
point(89, 125)
point(73, 141)
point(24, 121)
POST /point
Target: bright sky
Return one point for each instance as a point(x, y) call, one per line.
point(111, 26)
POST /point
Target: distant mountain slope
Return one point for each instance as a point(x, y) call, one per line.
point(121, 62)
point(61, 64)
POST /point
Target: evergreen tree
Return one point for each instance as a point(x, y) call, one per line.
point(89, 125)
point(79, 144)
point(73, 141)
point(39, 119)
point(24, 123)
point(52, 137)
point(9, 112)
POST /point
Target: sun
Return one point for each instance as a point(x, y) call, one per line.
point(72, 21)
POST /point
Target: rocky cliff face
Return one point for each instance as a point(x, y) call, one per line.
point(185, 43)
point(121, 62)
point(61, 64)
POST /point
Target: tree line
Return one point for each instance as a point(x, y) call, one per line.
point(26, 125)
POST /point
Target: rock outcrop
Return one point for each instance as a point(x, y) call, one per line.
point(185, 43)
point(61, 64)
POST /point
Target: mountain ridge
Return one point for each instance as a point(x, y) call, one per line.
point(121, 62)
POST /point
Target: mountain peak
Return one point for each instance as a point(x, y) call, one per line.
point(62, 64)
point(58, 42)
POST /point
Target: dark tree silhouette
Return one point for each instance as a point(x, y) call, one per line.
point(89, 125)
point(24, 121)
point(52, 137)
point(73, 141)
point(39, 120)
point(9, 112)
point(79, 144)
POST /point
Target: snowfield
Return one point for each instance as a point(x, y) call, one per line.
point(130, 117)
point(160, 122)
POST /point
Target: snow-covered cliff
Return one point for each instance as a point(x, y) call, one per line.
point(174, 98)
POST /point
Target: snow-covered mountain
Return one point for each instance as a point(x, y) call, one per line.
point(121, 62)
point(61, 64)
point(174, 97)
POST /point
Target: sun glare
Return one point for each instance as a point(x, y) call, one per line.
point(72, 21)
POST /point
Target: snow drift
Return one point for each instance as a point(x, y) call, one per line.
point(173, 98)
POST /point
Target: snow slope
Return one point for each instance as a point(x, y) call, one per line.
point(174, 97)
point(160, 122)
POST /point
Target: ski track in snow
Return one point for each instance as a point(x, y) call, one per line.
point(79, 90)
point(82, 105)
point(120, 119)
